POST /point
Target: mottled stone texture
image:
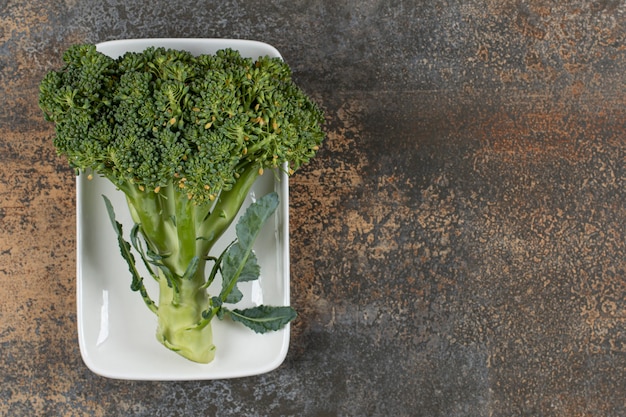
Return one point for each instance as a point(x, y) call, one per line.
point(457, 247)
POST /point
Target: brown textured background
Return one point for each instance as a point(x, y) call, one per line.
point(457, 246)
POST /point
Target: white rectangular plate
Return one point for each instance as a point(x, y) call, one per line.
point(116, 330)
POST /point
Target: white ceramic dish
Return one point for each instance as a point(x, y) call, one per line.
point(116, 331)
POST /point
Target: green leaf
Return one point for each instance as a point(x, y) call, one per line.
point(251, 269)
point(217, 266)
point(125, 249)
point(254, 218)
point(240, 263)
point(192, 268)
point(232, 296)
point(230, 268)
point(169, 277)
point(263, 319)
point(138, 246)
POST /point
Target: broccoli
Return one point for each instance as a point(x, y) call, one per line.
point(184, 137)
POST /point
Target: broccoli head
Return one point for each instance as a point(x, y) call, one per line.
point(165, 117)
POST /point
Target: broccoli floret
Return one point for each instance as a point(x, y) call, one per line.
point(184, 137)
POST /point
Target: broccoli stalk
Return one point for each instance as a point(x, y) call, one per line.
point(184, 138)
point(183, 234)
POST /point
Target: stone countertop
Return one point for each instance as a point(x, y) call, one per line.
point(457, 246)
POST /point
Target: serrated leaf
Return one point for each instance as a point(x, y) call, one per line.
point(232, 263)
point(124, 246)
point(250, 271)
point(216, 302)
point(125, 250)
point(263, 319)
point(240, 263)
point(138, 246)
point(192, 268)
point(217, 266)
point(233, 296)
point(250, 224)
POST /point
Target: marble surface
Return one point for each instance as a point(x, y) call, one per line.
point(457, 246)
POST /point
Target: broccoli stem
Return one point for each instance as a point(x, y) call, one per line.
point(181, 234)
point(177, 329)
